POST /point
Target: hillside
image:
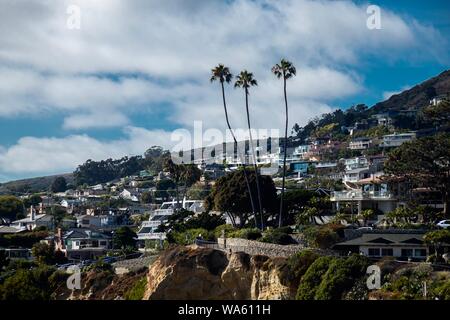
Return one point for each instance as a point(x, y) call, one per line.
point(93, 172)
point(418, 96)
point(32, 185)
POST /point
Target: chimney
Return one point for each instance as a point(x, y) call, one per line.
point(32, 213)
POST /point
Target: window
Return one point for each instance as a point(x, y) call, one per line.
point(407, 252)
point(420, 252)
point(387, 252)
point(374, 252)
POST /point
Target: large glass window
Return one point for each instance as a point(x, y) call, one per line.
point(407, 252)
point(387, 252)
point(374, 252)
point(420, 252)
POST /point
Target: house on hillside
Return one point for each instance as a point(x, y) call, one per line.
point(33, 220)
point(397, 139)
point(369, 193)
point(361, 143)
point(130, 194)
point(82, 244)
point(401, 244)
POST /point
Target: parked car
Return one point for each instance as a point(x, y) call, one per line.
point(365, 228)
point(443, 224)
point(109, 259)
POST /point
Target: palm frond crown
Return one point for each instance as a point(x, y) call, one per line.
point(245, 80)
point(284, 69)
point(221, 73)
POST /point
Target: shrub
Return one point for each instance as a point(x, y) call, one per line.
point(321, 236)
point(277, 236)
point(248, 233)
point(313, 277)
point(24, 240)
point(189, 236)
point(229, 229)
point(137, 291)
point(341, 275)
point(441, 290)
point(28, 285)
point(298, 264)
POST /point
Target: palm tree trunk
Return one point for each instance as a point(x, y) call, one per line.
point(254, 160)
point(280, 221)
point(243, 162)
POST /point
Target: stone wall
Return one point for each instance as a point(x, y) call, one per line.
point(258, 248)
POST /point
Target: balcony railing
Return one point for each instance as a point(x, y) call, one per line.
point(163, 212)
point(360, 195)
point(152, 236)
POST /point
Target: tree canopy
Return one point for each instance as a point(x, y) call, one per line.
point(423, 162)
point(59, 185)
point(230, 195)
point(11, 207)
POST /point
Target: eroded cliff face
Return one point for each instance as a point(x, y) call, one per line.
point(201, 273)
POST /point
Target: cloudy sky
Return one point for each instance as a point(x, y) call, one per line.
point(137, 70)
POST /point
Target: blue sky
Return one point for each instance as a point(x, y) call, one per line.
point(136, 71)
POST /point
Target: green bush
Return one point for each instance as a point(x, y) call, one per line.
point(277, 236)
point(189, 236)
point(137, 291)
point(341, 276)
point(323, 237)
point(313, 277)
point(23, 240)
point(29, 285)
point(247, 233)
point(441, 290)
point(298, 264)
point(229, 230)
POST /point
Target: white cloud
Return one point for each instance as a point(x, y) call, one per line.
point(387, 94)
point(133, 57)
point(56, 155)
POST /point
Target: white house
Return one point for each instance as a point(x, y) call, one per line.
point(129, 194)
point(402, 244)
point(397, 139)
point(33, 220)
point(360, 144)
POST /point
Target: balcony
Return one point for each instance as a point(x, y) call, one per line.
point(152, 236)
point(358, 195)
point(163, 212)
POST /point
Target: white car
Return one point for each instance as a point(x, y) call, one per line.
point(443, 224)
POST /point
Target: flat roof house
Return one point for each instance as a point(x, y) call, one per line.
point(397, 139)
point(360, 144)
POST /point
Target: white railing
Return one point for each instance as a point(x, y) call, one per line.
point(360, 195)
point(151, 224)
point(163, 212)
point(152, 236)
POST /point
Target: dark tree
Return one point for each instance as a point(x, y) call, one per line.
point(59, 185)
point(10, 207)
point(146, 197)
point(423, 162)
point(230, 195)
point(124, 237)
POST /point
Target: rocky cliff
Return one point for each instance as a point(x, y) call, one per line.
point(202, 273)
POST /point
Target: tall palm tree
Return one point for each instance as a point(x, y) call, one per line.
point(223, 74)
point(245, 80)
point(285, 70)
